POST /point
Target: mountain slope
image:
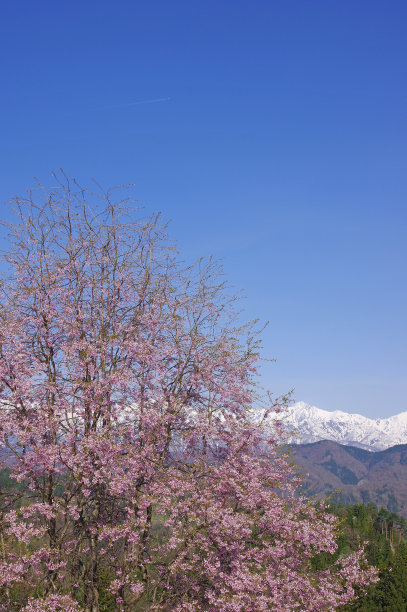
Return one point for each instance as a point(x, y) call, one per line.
point(310, 424)
point(359, 475)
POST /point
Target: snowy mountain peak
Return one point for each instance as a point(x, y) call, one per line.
point(310, 424)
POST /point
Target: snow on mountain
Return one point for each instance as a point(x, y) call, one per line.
point(310, 424)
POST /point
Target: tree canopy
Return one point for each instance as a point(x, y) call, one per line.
point(149, 477)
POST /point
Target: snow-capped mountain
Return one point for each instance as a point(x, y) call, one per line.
point(311, 424)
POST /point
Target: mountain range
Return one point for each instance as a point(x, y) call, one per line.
point(349, 456)
point(310, 424)
point(354, 475)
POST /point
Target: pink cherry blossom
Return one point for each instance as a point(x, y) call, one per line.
point(152, 470)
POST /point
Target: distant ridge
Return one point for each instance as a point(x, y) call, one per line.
point(355, 475)
point(311, 424)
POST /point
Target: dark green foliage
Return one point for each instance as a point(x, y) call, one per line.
point(345, 474)
point(385, 537)
point(8, 484)
point(392, 504)
point(106, 599)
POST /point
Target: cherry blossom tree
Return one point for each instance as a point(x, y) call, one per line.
point(148, 475)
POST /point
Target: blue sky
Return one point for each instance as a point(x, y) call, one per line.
point(272, 133)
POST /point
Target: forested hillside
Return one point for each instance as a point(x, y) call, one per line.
point(355, 475)
point(384, 534)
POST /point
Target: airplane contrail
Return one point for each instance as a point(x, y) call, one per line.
point(153, 101)
point(148, 101)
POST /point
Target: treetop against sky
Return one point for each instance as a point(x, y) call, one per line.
point(127, 400)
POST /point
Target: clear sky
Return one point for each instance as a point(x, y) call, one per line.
point(272, 133)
